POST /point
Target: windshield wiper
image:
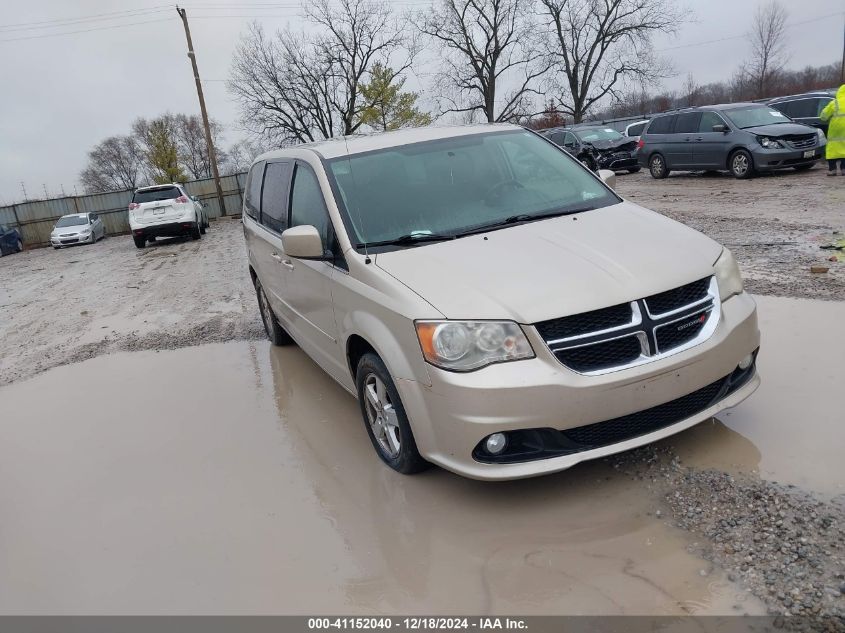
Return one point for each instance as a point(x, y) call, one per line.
point(409, 238)
point(522, 218)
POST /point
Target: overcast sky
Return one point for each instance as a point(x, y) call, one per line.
point(61, 95)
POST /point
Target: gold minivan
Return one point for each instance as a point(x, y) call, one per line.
point(494, 306)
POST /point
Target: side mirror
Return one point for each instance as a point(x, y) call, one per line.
point(719, 127)
point(303, 242)
point(608, 177)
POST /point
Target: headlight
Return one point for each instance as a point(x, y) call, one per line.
point(822, 137)
point(469, 345)
point(727, 275)
point(85, 231)
point(769, 143)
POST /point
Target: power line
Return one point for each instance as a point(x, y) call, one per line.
point(737, 37)
point(56, 22)
point(100, 28)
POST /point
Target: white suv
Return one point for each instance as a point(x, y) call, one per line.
point(165, 211)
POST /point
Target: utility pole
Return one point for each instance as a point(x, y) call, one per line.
point(23, 188)
point(212, 154)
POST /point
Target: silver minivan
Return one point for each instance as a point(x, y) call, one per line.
point(496, 308)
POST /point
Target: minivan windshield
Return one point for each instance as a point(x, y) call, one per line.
point(445, 188)
point(72, 220)
point(753, 116)
point(589, 135)
point(154, 195)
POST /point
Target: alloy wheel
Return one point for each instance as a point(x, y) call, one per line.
point(381, 416)
point(657, 165)
point(740, 164)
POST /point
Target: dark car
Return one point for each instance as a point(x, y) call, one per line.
point(805, 108)
point(10, 240)
point(742, 138)
point(597, 146)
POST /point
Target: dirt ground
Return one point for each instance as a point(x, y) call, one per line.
point(63, 306)
point(775, 224)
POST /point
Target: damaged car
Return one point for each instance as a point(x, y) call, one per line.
point(741, 138)
point(598, 147)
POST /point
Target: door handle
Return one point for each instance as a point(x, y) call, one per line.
point(287, 264)
point(698, 138)
point(277, 257)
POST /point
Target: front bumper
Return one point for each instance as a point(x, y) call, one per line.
point(618, 162)
point(70, 241)
point(771, 159)
point(452, 416)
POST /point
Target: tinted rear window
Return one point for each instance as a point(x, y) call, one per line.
point(153, 195)
point(661, 125)
point(636, 130)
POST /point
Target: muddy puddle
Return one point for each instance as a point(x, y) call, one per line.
point(237, 478)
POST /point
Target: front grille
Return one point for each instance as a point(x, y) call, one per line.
point(679, 332)
point(802, 141)
point(678, 297)
point(612, 353)
point(633, 333)
point(586, 322)
point(642, 422)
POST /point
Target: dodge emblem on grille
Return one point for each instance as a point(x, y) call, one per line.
point(700, 319)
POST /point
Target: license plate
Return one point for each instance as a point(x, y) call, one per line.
point(161, 210)
point(809, 153)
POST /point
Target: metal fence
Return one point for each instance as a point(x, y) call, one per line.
point(35, 220)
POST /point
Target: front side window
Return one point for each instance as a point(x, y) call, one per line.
point(569, 140)
point(307, 205)
point(456, 185)
point(754, 116)
point(274, 196)
point(708, 120)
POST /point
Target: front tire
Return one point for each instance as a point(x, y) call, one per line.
point(741, 165)
point(275, 332)
point(657, 167)
point(384, 417)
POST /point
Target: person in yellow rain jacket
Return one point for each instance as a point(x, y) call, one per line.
point(835, 113)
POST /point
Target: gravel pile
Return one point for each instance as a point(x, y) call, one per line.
point(783, 544)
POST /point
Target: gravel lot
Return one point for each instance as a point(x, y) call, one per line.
point(774, 225)
point(64, 306)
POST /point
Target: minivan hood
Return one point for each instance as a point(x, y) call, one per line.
point(781, 129)
point(551, 268)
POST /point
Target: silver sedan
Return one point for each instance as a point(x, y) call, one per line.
point(78, 228)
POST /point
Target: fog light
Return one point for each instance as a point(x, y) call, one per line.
point(745, 363)
point(496, 443)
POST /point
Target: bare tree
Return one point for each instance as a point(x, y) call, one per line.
point(358, 36)
point(691, 90)
point(191, 146)
point(240, 155)
point(768, 46)
point(113, 164)
point(486, 45)
point(598, 45)
point(298, 88)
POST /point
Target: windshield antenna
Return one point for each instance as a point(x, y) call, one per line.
point(367, 259)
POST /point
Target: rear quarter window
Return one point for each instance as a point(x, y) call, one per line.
point(661, 125)
point(252, 195)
